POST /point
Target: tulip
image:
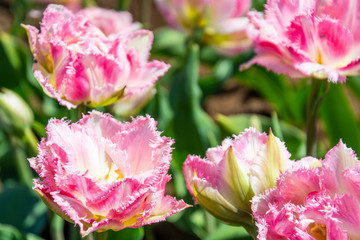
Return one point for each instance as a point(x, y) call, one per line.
point(77, 62)
point(111, 22)
point(234, 173)
point(223, 21)
point(313, 202)
point(102, 174)
point(15, 115)
point(318, 39)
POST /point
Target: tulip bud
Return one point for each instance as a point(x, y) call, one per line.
point(225, 183)
point(15, 115)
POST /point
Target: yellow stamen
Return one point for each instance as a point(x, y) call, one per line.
point(120, 173)
point(107, 175)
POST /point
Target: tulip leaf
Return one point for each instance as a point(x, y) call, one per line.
point(194, 130)
point(288, 100)
point(126, 234)
point(339, 118)
point(22, 208)
point(8, 232)
point(169, 42)
point(159, 108)
point(226, 232)
point(354, 84)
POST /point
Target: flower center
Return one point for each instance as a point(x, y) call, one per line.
point(317, 231)
point(119, 173)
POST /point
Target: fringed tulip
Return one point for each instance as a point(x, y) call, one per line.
point(102, 174)
point(310, 38)
point(223, 21)
point(233, 173)
point(78, 61)
point(313, 202)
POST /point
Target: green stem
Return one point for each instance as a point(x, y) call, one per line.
point(252, 230)
point(123, 5)
point(149, 235)
point(89, 3)
point(30, 141)
point(90, 236)
point(210, 222)
point(74, 232)
point(57, 227)
point(314, 101)
point(21, 163)
point(100, 235)
point(145, 13)
point(81, 110)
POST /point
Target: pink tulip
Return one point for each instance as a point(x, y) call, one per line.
point(81, 62)
point(73, 5)
point(102, 174)
point(111, 22)
point(232, 174)
point(313, 202)
point(319, 39)
point(224, 21)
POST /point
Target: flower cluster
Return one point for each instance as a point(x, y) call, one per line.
point(252, 176)
point(308, 38)
point(94, 173)
point(223, 21)
point(94, 57)
point(313, 202)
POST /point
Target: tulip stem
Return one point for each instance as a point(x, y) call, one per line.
point(251, 229)
point(314, 101)
point(100, 235)
point(123, 5)
point(90, 236)
point(89, 3)
point(210, 223)
point(81, 110)
point(21, 163)
point(146, 5)
point(57, 227)
point(31, 141)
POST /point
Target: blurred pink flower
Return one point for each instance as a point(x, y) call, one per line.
point(319, 39)
point(77, 63)
point(111, 22)
point(102, 174)
point(233, 173)
point(224, 21)
point(73, 5)
point(313, 202)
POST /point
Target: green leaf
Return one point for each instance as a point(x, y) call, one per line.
point(22, 208)
point(12, 68)
point(354, 84)
point(339, 118)
point(289, 101)
point(159, 108)
point(226, 232)
point(126, 234)
point(169, 42)
point(8, 232)
point(194, 130)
